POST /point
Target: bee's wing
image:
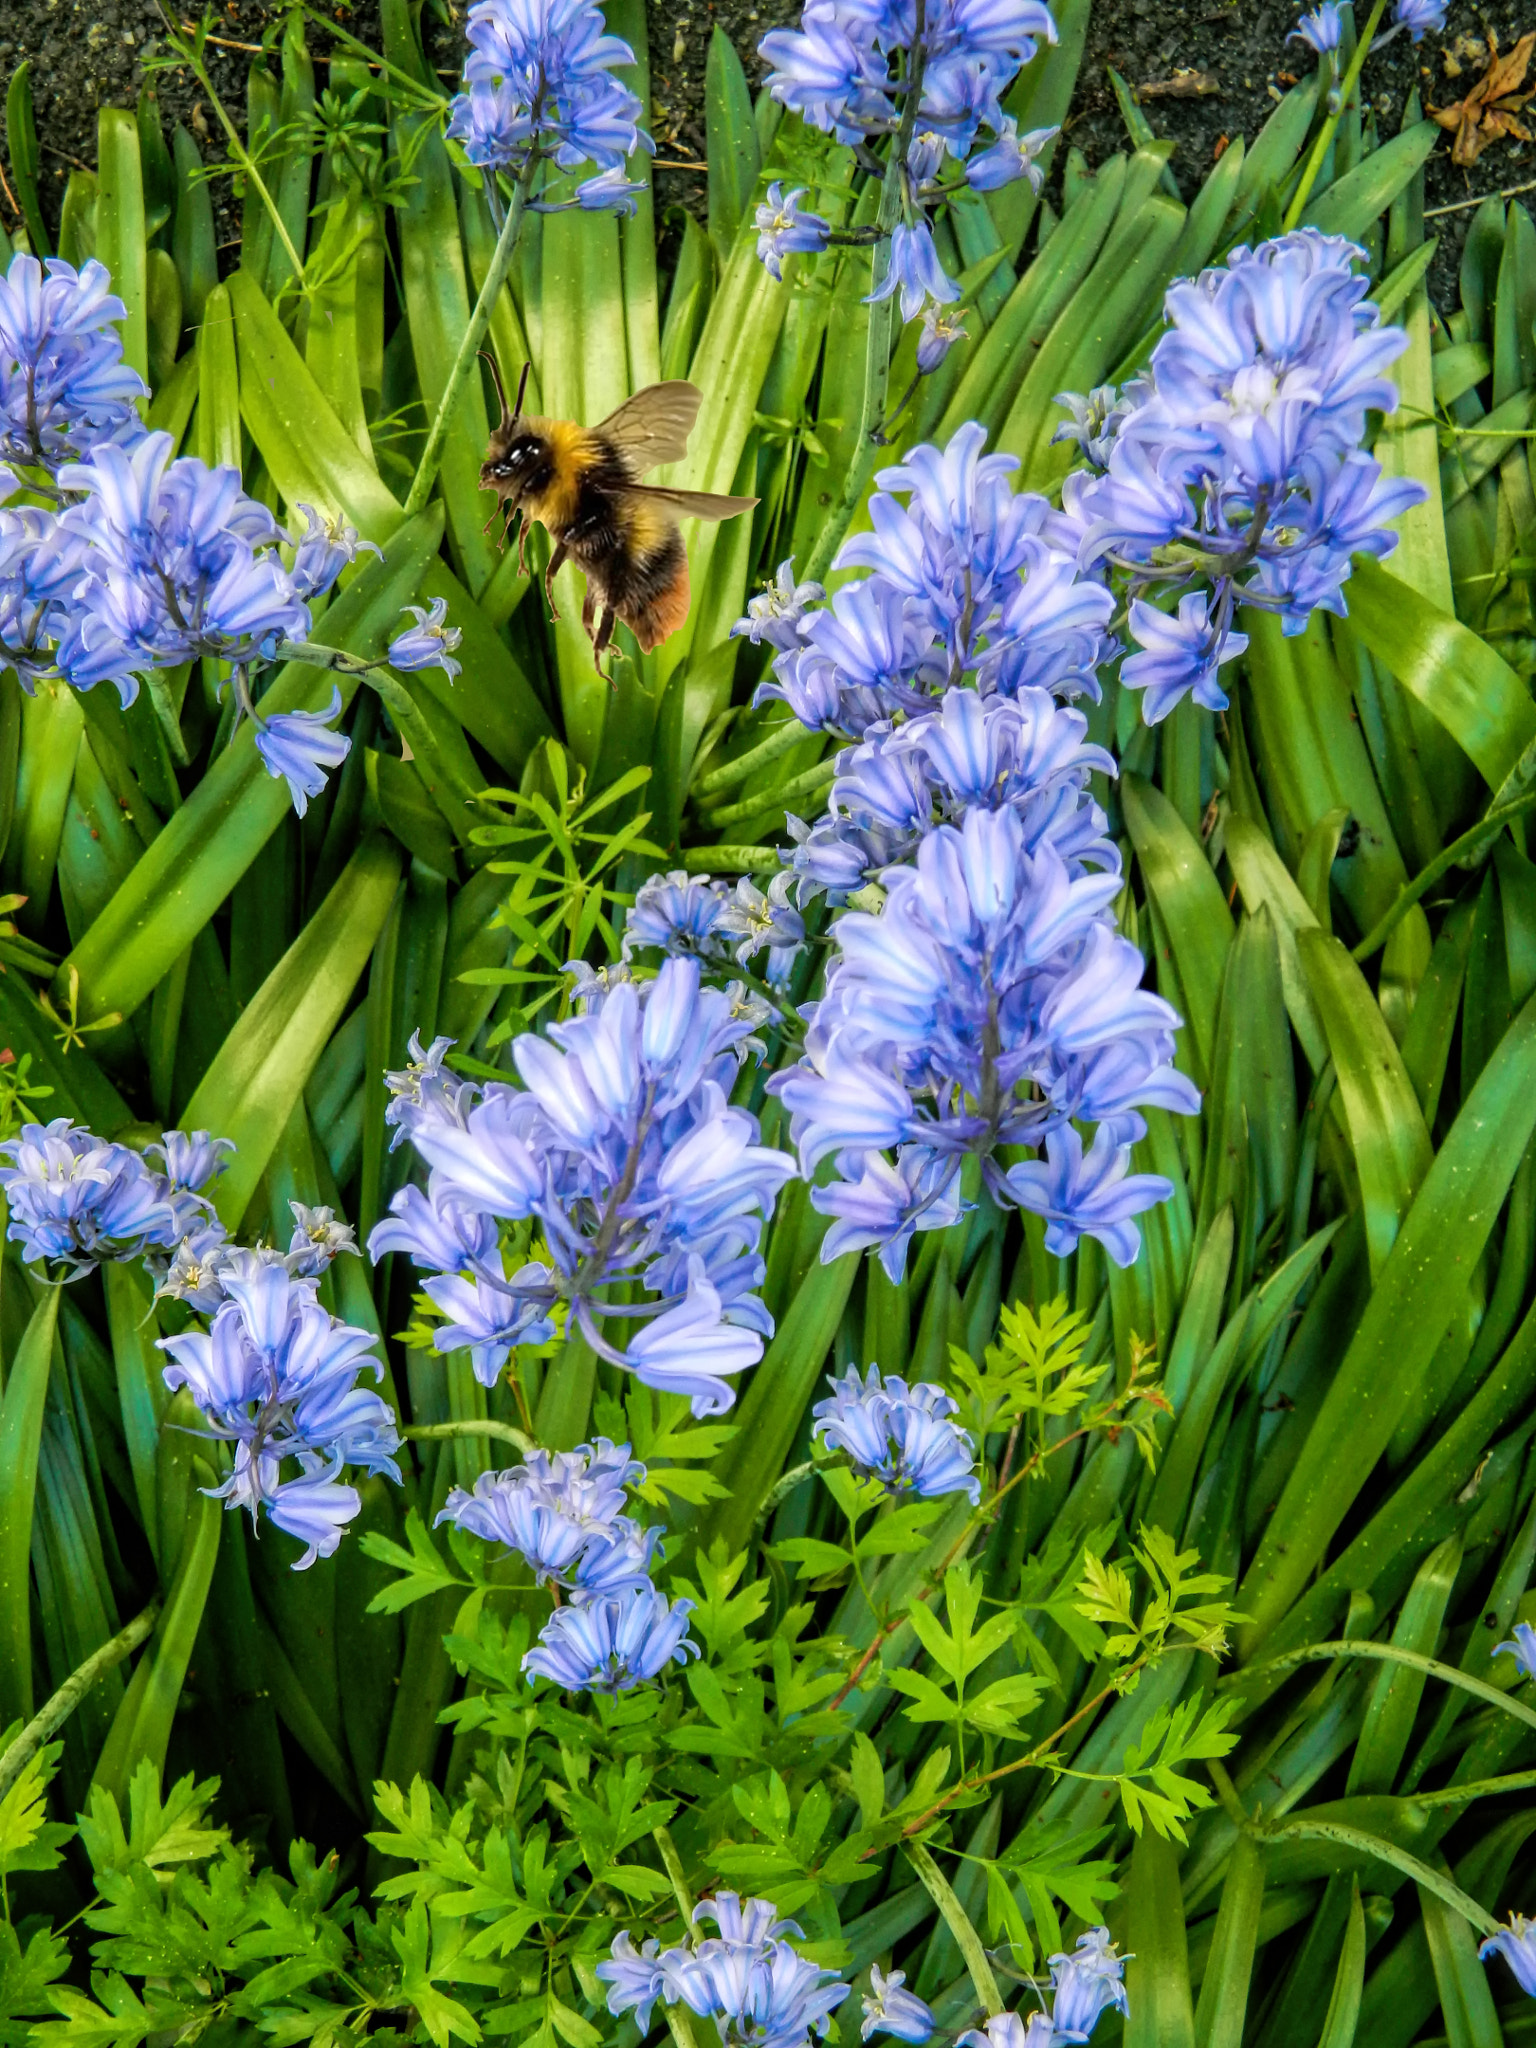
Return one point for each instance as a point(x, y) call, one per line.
point(653, 427)
point(693, 504)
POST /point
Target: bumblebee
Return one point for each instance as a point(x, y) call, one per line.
point(583, 484)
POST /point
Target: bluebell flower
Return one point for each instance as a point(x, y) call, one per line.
point(40, 566)
point(1516, 1943)
point(612, 1645)
point(1321, 28)
point(634, 1979)
point(889, 2009)
point(1011, 157)
point(426, 1090)
point(620, 1144)
point(785, 228)
point(433, 1237)
point(1094, 422)
point(1011, 2030)
point(940, 332)
point(986, 1005)
point(63, 381)
point(611, 192)
point(299, 747)
point(427, 644)
point(77, 1202)
point(900, 1435)
point(1085, 1984)
point(276, 1377)
point(616, 1564)
point(178, 562)
point(1522, 1649)
point(679, 914)
point(554, 1507)
point(774, 616)
point(489, 1316)
point(1094, 1196)
point(1419, 17)
point(194, 1273)
point(539, 77)
point(830, 71)
point(749, 1978)
point(319, 1238)
point(884, 1205)
point(753, 919)
point(1181, 655)
point(327, 546)
point(913, 268)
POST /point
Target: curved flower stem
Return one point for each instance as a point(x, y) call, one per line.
point(316, 656)
point(745, 766)
point(957, 1920)
point(1325, 134)
point(502, 1431)
point(474, 333)
point(1480, 836)
point(57, 1710)
point(877, 355)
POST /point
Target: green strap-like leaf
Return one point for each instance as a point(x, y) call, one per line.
point(21, 1434)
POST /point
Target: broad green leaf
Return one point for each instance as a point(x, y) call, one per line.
point(21, 1431)
point(261, 1070)
point(1157, 1970)
point(1189, 900)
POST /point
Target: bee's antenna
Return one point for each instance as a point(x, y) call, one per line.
point(522, 386)
point(495, 369)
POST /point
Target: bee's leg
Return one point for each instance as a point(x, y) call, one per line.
point(522, 546)
point(500, 510)
point(589, 612)
point(556, 561)
point(601, 638)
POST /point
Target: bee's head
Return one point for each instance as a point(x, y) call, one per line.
point(513, 460)
point(514, 454)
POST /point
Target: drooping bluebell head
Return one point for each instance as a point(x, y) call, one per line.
point(621, 1146)
point(612, 1645)
point(1516, 1943)
point(891, 2009)
point(900, 1435)
point(63, 381)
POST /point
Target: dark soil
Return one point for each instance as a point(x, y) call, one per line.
point(90, 53)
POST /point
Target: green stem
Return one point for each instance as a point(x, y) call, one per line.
point(56, 1711)
point(812, 783)
point(1488, 827)
point(779, 741)
point(1382, 1851)
point(736, 860)
point(938, 1888)
point(1325, 134)
point(474, 334)
point(502, 1431)
point(672, 1863)
point(244, 159)
point(877, 353)
point(1389, 1653)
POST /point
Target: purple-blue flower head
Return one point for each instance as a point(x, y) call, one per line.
point(63, 381)
point(1085, 1984)
point(1516, 1943)
point(427, 644)
point(300, 748)
point(1011, 157)
point(177, 561)
point(77, 1202)
point(900, 1435)
point(939, 334)
point(913, 268)
point(554, 1508)
point(1320, 29)
point(540, 75)
point(890, 2009)
point(678, 914)
point(613, 1645)
point(1419, 17)
point(1181, 655)
point(775, 616)
point(784, 228)
point(1522, 1649)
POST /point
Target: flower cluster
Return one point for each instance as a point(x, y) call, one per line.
point(990, 1005)
point(1084, 1985)
point(890, 2009)
point(852, 69)
point(1233, 472)
point(563, 1512)
point(276, 1377)
point(139, 560)
point(900, 1435)
point(77, 1202)
point(691, 915)
point(749, 1978)
point(620, 1147)
point(969, 580)
point(538, 82)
